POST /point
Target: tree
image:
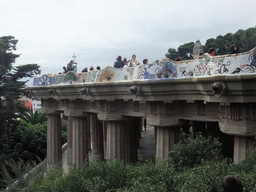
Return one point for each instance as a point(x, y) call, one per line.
point(172, 54)
point(186, 50)
point(244, 40)
point(11, 84)
point(33, 118)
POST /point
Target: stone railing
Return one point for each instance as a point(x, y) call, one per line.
point(243, 63)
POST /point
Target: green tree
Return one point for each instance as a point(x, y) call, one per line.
point(33, 118)
point(186, 50)
point(11, 84)
point(172, 54)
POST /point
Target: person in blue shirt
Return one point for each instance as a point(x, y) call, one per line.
point(119, 63)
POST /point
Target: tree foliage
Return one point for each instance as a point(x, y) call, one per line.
point(33, 118)
point(244, 40)
point(11, 84)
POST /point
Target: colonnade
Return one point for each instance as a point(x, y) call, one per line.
point(120, 139)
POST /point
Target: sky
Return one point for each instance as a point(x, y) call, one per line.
point(97, 31)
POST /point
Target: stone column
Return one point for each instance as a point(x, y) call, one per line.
point(97, 136)
point(131, 141)
point(69, 141)
point(54, 152)
point(80, 142)
point(104, 124)
point(121, 142)
point(167, 137)
point(242, 146)
point(115, 140)
point(136, 122)
point(88, 132)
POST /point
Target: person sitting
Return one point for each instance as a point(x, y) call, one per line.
point(212, 52)
point(178, 59)
point(70, 66)
point(145, 61)
point(91, 68)
point(232, 183)
point(233, 49)
point(65, 70)
point(134, 61)
point(98, 68)
point(85, 70)
point(119, 63)
point(201, 55)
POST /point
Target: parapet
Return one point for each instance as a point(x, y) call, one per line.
point(236, 64)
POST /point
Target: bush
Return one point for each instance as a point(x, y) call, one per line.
point(190, 152)
point(204, 174)
point(24, 141)
point(16, 174)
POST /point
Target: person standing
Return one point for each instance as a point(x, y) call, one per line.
point(145, 61)
point(134, 61)
point(70, 66)
point(145, 123)
point(64, 70)
point(212, 52)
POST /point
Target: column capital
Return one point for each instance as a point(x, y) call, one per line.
point(75, 113)
point(104, 116)
point(241, 128)
point(165, 121)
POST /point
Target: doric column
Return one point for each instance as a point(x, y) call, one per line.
point(121, 141)
point(115, 140)
point(104, 124)
point(97, 136)
point(132, 138)
point(242, 146)
point(54, 152)
point(69, 141)
point(136, 123)
point(80, 142)
point(167, 137)
point(88, 132)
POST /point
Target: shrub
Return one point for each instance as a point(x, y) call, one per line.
point(25, 141)
point(190, 152)
point(16, 174)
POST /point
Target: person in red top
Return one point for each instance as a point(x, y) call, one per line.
point(212, 52)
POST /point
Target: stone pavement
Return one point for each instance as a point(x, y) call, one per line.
point(147, 143)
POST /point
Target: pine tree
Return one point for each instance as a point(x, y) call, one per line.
point(11, 84)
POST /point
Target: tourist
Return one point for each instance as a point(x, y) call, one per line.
point(233, 49)
point(65, 70)
point(145, 61)
point(201, 55)
point(98, 68)
point(232, 183)
point(145, 123)
point(211, 52)
point(178, 59)
point(85, 70)
point(134, 61)
point(126, 62)
point(70, 66)
point(91, 68)
point(119, 63)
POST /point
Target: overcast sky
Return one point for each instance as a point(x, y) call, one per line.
point(97, 31)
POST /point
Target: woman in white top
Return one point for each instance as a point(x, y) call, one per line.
point(134, 61)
